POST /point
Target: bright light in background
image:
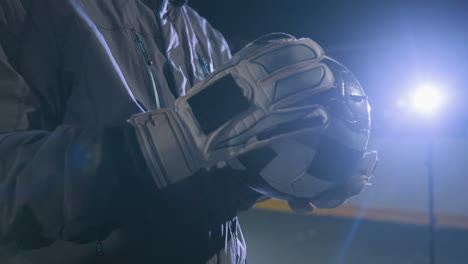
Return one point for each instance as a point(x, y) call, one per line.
point(427, 99)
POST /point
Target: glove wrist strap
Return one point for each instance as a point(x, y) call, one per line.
point(167, 148)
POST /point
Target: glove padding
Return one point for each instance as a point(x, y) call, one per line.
point(338, 194)
point(255, 99)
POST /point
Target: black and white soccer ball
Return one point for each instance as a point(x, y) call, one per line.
point(308, 165)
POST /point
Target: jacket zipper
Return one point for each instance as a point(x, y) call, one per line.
point(204, 66)
point(148, 63)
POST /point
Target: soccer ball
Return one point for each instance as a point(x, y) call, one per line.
point(307, 165)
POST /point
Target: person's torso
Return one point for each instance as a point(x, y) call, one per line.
point(97, 62)
point(93, 64)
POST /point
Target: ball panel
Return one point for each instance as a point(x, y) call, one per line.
point(291, 161)
point(313, 166)
point(334, 161)
point(309, 186)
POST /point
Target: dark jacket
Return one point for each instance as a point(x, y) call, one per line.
point(73, 188)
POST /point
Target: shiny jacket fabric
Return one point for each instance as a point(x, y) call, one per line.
point(73, 188)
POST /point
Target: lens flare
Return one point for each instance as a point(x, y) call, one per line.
point(427, 99)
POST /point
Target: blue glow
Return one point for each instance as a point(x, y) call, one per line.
point(354, 227)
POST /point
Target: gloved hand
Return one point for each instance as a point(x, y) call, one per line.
point(338, 194)
point(257, 97)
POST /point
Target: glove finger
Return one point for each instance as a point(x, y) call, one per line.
point(300, 206)
point(368, 163)
point(355, 186)
point(329, 203)
point(340, 193)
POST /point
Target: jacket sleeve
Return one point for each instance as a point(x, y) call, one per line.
point(75, 183)
point(54, 184)
point(63, 184)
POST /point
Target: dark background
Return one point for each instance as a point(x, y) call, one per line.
point(391, 46)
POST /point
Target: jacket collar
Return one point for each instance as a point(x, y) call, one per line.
point(178, 3)
point(158, 3)
point(163, 6)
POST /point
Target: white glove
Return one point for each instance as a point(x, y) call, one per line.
point(257, 97)
point(340, 192)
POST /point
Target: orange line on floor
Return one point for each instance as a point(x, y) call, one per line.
point(446, 220)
